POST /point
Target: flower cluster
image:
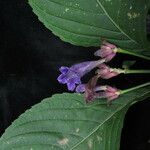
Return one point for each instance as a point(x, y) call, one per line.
point(93, 91)
point(72, 75)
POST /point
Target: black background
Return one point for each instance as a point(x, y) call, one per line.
point(30, 56)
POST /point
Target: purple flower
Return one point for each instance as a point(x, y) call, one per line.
point(91, 91)
point(80, 88)
point(90, 85)
point(72, 76)
point(110, 93)
point(107, 51)
point(106, 72)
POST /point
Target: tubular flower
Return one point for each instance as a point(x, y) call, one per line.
point(72, 76)
point(107, 51)
point(89, 89)
point(106, 72)
point(110, 93)
point(92, 91)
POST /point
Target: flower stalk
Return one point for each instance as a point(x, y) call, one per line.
point(136, 71)
point(119, 50)
point(127, 71)
point(72, 76)
point(134, 88)
point(106, 72)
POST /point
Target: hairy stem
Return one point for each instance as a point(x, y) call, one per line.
point(127, 71)
point(134, 88)
point(119, 50)
point(136, 71)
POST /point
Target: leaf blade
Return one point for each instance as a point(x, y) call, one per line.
point(66, 122)
point(85, 23)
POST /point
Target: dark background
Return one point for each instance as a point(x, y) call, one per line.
point(30, 56)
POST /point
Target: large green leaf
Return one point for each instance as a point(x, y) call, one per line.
point(65, 122)
point(86, 22)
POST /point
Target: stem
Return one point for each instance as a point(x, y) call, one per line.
point(136, 71)
point(127, 71)
point(119, 50)
point(134, 88)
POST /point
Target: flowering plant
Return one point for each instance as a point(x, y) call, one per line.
point(91, 116)
point(72, 76)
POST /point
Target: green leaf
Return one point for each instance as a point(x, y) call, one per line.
point(128, 63)
point(65, 122)
point(86, 22)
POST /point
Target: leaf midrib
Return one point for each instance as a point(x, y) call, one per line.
point(75, 21)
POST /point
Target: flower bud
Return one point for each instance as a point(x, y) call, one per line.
point(106, 72)
point(107, 51)
point(110, 93)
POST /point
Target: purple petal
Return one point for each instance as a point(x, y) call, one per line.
point(80, 67)
point(103, 53)
point(77, 80)
point(62, 79)
point(110, 57)
point(85, 67)
point(112, 46)
point(80, 88)
point(97, 53)
point(63, 69)
point(112, 89)
point(71, 86)
point(110, 75)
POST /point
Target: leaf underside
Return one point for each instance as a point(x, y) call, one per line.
point(87, 22)
point(65, 122)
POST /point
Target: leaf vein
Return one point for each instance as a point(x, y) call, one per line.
point(104, 122)
point(117, 26)
point(73, 20)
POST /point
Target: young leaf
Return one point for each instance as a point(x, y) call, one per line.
point(65, 122)
point(86, 22)
point(128, 63)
